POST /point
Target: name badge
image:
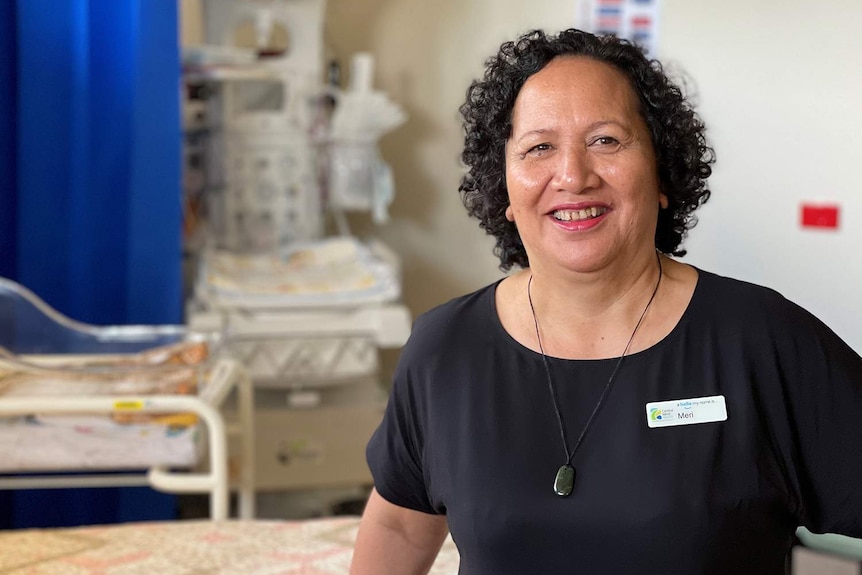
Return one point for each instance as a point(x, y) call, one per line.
point(686, 411)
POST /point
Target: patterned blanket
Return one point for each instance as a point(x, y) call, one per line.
point(311, 547)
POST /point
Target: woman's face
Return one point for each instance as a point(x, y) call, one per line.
point(581, 169)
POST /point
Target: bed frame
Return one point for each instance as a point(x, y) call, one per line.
point(35, 338)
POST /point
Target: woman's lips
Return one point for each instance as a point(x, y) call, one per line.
point(579, 217)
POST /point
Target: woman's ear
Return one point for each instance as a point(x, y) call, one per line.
point(510, 215)
point(663, 201)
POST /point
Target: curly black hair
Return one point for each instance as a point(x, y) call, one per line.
point(682, 155)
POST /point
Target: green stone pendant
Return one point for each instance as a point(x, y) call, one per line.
point(565, 480)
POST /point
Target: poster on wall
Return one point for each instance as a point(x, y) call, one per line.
point(636, 20)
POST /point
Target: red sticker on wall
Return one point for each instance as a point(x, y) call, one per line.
point(819, 216)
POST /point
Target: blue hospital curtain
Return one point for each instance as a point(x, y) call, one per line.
point(90, 178)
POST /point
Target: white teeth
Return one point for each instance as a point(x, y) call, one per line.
point(578, 215)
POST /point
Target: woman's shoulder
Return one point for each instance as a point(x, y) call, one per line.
point(739, 294)
point(448, 335)
point(753, 306)
point(467, 312)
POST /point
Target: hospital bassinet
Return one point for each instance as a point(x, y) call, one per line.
point(99, 400)
point(308, 323)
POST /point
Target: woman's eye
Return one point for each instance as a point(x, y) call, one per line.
point(606, 141)
point(538, 149)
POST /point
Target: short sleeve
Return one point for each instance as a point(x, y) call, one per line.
point(826, 409)
point(394, 453)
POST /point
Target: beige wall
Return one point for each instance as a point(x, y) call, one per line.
point(191, 23)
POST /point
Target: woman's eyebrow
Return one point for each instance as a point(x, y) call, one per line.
point(609, 122)
point(536, 132)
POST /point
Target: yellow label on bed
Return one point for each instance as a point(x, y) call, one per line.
point(129, 405)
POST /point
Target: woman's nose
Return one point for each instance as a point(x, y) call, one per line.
point(575, 171)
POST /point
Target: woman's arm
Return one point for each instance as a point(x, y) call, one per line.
point(396, 540)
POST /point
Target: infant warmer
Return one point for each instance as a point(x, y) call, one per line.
point(263, 93)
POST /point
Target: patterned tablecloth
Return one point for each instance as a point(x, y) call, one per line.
point(312, 547)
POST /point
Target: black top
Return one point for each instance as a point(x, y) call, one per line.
point(470, 432)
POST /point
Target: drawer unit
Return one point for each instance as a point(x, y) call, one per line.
point(314, 448)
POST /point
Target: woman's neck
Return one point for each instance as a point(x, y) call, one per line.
point(592, 315)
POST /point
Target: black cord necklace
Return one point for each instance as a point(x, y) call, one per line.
point(564, 482)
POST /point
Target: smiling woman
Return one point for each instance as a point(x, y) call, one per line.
point(580, 168)
point(606, 408)
point(677, 134)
